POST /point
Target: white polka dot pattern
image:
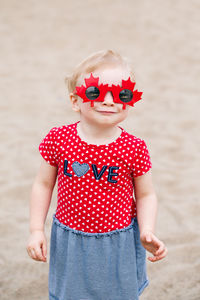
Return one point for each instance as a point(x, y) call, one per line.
point(95, 182)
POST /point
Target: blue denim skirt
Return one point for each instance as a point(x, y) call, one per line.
point(96, 266)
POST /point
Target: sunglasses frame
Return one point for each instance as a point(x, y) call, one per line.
point(104, 88)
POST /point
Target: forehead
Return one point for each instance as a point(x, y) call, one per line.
point(108, 75)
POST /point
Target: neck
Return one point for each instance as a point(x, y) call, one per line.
point(93, 132)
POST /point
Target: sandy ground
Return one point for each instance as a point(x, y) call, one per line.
point(41, 42)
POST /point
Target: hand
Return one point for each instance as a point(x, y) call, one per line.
point(37, 246)
point(152, 244)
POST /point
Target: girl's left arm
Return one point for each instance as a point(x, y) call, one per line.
point(146, 203)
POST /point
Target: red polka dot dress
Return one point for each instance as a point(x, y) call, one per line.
point(95, 199)
point(95, 182)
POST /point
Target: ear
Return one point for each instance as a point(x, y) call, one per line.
point(75, 102)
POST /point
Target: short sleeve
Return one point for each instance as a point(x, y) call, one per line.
point(142, 162)
point(48, 148)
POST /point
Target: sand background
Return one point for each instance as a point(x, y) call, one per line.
point(41, 42)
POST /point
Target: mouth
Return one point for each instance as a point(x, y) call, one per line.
point(106, 112)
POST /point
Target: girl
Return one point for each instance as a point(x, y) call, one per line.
point(100, 230)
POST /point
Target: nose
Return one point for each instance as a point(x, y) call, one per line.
point(108, 99)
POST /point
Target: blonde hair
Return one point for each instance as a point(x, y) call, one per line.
point(93, 62)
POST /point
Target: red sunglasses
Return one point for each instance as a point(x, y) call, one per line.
point(121, 94)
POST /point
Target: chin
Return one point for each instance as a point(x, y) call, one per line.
point(107, 121)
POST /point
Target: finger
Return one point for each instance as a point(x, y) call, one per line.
point(152, 259)
point(44, 250)
point(163, 254)
point(160, 249)
point(34, 254)
point(158, 246)
point(31, 253)
point(158, 257)
point(39, 255)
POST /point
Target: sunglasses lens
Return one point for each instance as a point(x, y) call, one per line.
point(125, 95)
point(92, 92)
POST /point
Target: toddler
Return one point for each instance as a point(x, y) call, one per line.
point(106, 209)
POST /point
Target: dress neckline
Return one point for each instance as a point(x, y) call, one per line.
point(98, 145)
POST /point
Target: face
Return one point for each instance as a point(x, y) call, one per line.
point(106, 112)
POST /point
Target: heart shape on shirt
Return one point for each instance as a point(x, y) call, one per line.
point(80, 169)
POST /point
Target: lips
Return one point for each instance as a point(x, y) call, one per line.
point(106, 111)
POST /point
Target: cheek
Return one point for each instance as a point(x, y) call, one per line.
point(124, 112)
point(86, 107)
point(128, 107)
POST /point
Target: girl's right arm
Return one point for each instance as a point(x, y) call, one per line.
point(39, 205)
